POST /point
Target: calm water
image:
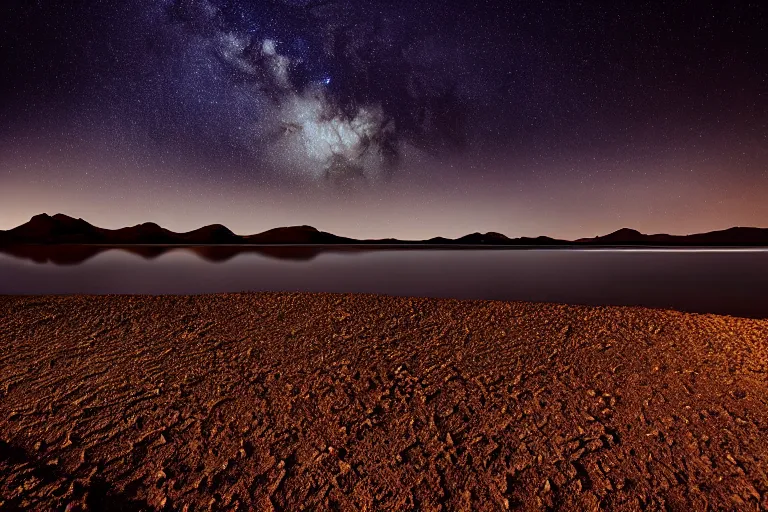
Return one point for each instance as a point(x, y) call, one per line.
point(717, 281)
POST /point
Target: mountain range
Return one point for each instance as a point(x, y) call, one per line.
point(47, 229)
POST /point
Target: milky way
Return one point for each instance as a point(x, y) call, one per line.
point(289, 114)
point(317, 90)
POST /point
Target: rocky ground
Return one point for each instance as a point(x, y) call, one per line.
point(351, 402)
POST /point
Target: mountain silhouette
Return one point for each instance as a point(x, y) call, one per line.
point(737, 236)
point(297, 235)
point(61, 229)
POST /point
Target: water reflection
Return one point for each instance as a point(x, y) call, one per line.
point(77, 254)
point(704, 281)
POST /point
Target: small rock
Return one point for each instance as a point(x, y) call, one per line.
point(739, 394)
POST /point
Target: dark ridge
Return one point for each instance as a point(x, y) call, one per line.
point(61, 229)
point(213, 234)
point(484, 239)
point(736, 236)
point(296, 235)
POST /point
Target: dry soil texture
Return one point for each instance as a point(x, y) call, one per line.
point(348, 402)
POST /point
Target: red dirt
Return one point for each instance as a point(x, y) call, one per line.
point(354, 402)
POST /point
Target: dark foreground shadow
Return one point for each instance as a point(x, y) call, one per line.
point(82, 493)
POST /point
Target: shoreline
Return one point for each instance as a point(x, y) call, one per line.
point(413, 245)
point(290, 400)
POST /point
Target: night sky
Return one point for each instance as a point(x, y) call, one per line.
point(377, 118)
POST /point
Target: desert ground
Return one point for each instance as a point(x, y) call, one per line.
point(289, 401)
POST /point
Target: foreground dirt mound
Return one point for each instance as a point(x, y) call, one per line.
point(349, 402)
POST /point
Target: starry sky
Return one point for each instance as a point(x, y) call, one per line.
point(387, 118)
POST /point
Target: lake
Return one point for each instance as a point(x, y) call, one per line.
point(720, 281)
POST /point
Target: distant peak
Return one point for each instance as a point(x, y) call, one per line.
point(626, 231)
point(43, 220)
point(298, 228)
point(215, 228)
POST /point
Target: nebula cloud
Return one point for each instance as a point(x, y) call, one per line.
point(319, 138)
point(307, 132)
point(293, 122)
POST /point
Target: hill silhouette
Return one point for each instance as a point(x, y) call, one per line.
point(736, 236)
point(60, 229)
